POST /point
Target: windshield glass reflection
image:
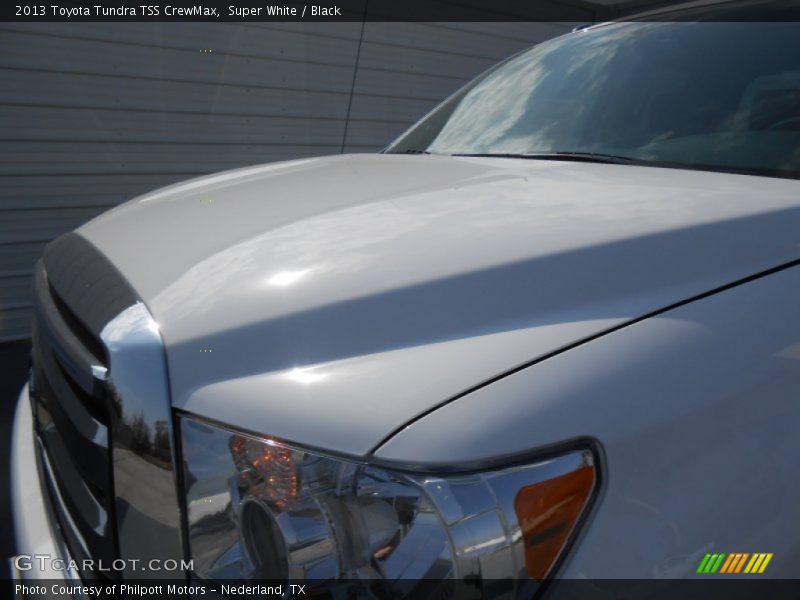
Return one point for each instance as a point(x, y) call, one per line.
point(703, 95)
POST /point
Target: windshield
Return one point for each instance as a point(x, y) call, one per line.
point(713, 95)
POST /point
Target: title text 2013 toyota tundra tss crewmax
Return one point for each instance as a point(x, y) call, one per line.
point(553, 331)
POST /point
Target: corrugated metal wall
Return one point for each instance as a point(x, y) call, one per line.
point(94, 114)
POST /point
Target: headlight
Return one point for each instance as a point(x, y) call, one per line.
point(259, 509)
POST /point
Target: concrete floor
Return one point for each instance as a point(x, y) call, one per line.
point(14, 361)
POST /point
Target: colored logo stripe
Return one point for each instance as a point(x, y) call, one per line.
point(716, 564)
point(758, 563)
point(702, 567)
point(734, 562)
point(710, 563)
point(727, 565)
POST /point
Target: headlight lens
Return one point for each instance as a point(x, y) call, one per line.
point(259, 509)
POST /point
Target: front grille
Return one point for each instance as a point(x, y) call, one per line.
point(73, 423)
point(103, 413)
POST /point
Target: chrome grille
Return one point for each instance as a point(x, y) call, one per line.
point(103, 413)
point(73, 422)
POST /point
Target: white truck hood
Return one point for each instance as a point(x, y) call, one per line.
point(330, 301)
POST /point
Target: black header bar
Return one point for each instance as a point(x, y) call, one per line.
point(569, 11)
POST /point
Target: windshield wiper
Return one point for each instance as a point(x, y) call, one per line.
point(593, 157)
point(615, 159)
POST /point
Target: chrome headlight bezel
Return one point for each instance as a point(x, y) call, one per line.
point(323, 519)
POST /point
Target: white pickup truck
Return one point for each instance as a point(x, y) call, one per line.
point(551, 332)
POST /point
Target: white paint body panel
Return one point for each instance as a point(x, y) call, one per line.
point(330, 301)
point(697, 412)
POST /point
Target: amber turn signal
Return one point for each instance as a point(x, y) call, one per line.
point(548, 512)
